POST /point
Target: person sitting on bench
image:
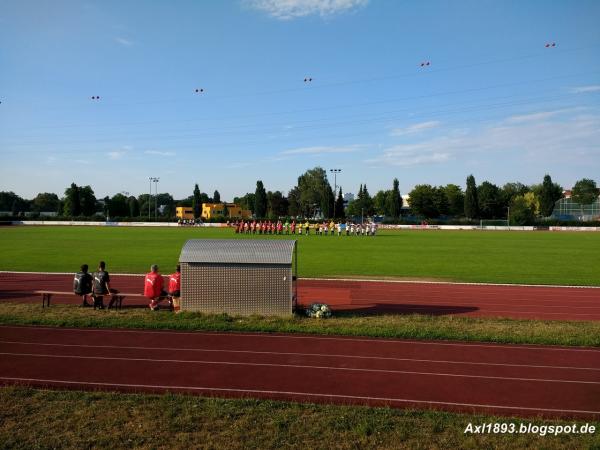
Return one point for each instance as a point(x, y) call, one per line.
point(82, 284)
point(153, 287)
point(101, 286)
point(175, 289)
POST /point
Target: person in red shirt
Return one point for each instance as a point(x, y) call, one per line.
point(153, 287)
point(293, 227)
point(174, 289)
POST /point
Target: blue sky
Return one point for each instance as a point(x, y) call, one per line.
point(494, 101)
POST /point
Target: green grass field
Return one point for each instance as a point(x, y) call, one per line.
point(395, 326)
point(35, 418)
point(491, 256)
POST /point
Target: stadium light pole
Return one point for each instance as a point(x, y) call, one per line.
point(156, 180)
point(335, 172)
point(152, 180)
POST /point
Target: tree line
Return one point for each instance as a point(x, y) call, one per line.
point(313, 196)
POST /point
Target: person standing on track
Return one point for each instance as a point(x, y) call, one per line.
point(82, 284)
point(101, 286)
point(174, 289)
point(153, 287)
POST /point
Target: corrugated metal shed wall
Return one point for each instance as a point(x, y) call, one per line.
point(238, 277)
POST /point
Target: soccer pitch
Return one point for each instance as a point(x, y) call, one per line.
point(471, 256)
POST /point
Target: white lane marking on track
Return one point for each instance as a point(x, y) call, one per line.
point(314, 337)
point(325, 355)
point(305, 394)
point(358, 280)
point(296, 366)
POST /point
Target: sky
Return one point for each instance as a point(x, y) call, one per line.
point(493, 101)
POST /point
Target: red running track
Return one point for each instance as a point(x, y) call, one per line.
point(483, 378)
point(519, 302)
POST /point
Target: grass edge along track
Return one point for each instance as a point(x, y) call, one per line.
point(392, 326)
point(117, 420)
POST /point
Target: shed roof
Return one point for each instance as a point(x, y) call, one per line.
point(238, 251)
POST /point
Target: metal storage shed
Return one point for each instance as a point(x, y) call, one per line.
point(238, 277)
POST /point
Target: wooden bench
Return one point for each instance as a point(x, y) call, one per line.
point(117, 297)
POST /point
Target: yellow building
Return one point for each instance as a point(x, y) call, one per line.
point(212, 210)
point(184, 212)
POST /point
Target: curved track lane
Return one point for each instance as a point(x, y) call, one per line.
point(486, 378)
point(375, 297)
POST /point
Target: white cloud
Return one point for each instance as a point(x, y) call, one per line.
point(582, 89)
point(123, 41)
point(535, 137)
point(317, 150)
point(291, 9)
point(116, 154)
point(159, 153)
point(415, 128)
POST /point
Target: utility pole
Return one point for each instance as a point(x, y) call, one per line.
point(335, 172)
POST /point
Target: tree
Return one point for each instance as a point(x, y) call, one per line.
point(87, 201)
point(19, 205)
point(471, 203)
point(216, 197)
point(490, 202)
point(134, 207)
point(118, 206)
point(146, 204)
point(512, 190)
point(585, 192)
point(520, 212)
point(549, 194)
point(166, 205)
point(260, 200)
point(277, 205)
point(72, 201)
point(440, 201)
point(45, 202)
point(197, 202)
point(245, 202)
point(339, 206)
point(294, 207)
point(7, 199)
point(456, 200)
point(315, 192)
point(422, 201)
point(394, 201)
point(380, 202)
point(533, 202)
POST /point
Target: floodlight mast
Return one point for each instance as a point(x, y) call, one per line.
point(151, 180)
point(335, 172)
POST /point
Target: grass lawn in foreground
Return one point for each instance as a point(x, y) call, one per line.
point(413, 326)
point(474, 256)
point(34, 418)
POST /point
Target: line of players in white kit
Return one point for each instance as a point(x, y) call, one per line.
point(325, 228)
